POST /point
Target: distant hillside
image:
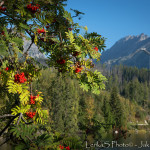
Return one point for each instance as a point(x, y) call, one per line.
point(130, 51)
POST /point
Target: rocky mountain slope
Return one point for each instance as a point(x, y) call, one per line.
point(130, 51)
point(34, 52)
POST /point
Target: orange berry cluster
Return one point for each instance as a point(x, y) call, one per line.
point(20, 78)
point(30, 114)
point(33, 9)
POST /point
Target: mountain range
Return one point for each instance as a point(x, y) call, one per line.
point(129, 51)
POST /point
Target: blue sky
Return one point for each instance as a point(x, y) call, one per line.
point(113, 19)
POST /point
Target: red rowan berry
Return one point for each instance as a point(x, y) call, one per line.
point(96, 48)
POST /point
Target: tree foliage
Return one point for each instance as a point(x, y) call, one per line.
point(48, 25)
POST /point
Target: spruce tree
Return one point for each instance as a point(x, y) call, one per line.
point(71, 106)
point(107, 113)
point(57, 100)
point(116, 109)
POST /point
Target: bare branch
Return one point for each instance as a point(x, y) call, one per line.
point(25, 121)
point(31, 88)
point(8, 124)
point(6, 115)
point(60, 37)
point(29, 46)
point(19, 118)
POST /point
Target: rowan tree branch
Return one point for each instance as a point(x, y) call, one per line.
point(6, 115)
point(60, 37)
point(25, 121)
point(8, 124)
point(19, 118)
point(30, 46)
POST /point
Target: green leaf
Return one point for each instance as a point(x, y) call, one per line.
point(70, 36)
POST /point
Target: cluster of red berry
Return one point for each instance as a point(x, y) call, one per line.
point(41, 31)
point(32, 99)
point(96, 48)
point(61, 61)
point(20, 78)
point(30, 114)
point(3, 8)
point(62, 147)
point(78, 67)
point(6, 68)
point(33, 9)
point(77, 70)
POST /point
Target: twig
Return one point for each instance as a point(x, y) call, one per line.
point(18, 22)
point(10, 16)
point(6, 115)
point(31, 88)
point(29, 46)
point(26, 53)
point(60, 37)
point(25, 121)
point(19, 118)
